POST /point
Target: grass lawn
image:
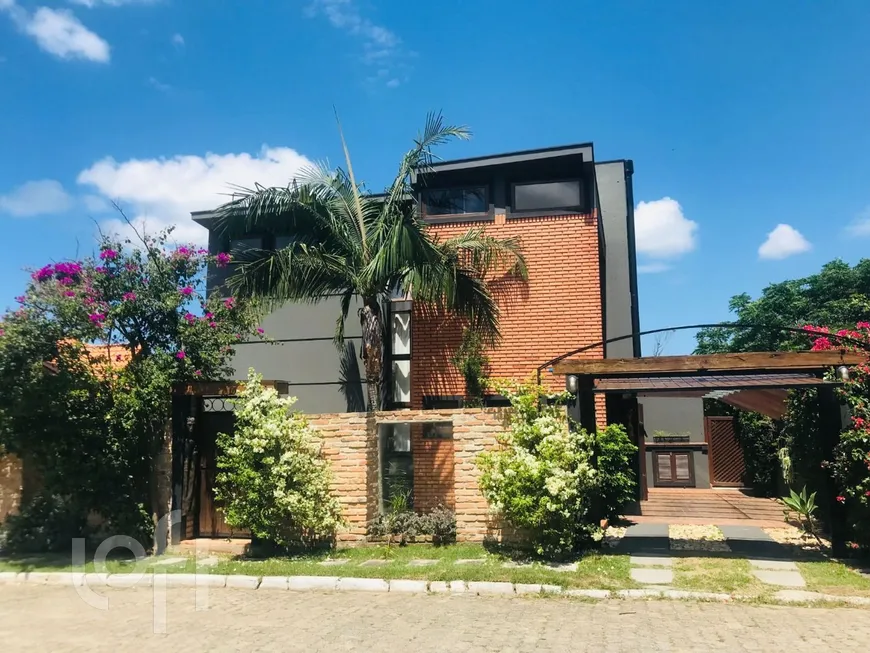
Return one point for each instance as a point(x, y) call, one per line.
point(830, 577)
point(594, 570)
point(731, 575)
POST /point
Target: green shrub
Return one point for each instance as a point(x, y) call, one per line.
point(541, 479)
point(440, 523)
point(471, 361)
point(272, 478)
point(616, 482)
point(760, 437)
point(46, 524)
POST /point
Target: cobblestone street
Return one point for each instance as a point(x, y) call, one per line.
point(55, 618)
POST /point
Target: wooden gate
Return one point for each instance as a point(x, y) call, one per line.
point(725, 453)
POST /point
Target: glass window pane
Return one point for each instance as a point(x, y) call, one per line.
point(242, 244)
point(550, 195)
point(401, 327)
point(282, 241)
point(456, 201)
point(402, 381)
point(438, 431)
point(401, 438)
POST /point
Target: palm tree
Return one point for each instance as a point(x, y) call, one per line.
point(347, 242)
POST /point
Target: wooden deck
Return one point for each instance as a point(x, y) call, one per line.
point(720, 506)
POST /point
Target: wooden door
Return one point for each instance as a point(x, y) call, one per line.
point(673, 469)
point(211, 517)
point(726, 455)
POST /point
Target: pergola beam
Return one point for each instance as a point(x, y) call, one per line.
point(702, 364)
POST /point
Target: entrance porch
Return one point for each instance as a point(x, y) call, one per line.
point(708, 506)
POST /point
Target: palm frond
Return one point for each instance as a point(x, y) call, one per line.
point(488, 254)
point(346, 298)
point(354, 188)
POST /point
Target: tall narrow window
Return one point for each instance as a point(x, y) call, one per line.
point(400, 353)
point(397, 464)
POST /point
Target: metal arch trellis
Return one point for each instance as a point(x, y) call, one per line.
point(726, 325)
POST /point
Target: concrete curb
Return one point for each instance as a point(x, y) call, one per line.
point(335, 583)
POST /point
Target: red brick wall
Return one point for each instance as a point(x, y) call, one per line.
point(433, 471)
point(558, 310)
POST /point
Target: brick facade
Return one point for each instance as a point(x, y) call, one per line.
point(557, 310)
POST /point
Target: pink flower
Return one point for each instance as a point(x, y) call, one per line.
point(131, 267)
point(209, 315)
point(97, 317)
point(71, 269)
point(863, 325)
point(43, 273)
point(858, 421)
point(213, 325)
point(100, 269)
point(108, 255)
point(183, 252)
point(129, 297)
point(260, 330)
point(181, 355)
point(230, 303)
point(841, 499)
point(69, 293)
point(202, 251)
point(238, 336)
point(190, 317)
point(821, 344)
point(198, 373)
point(867, 493)
point(187, 291)
point(223, 259)
point(21, 299)
point(2, 332)
point(66, 281)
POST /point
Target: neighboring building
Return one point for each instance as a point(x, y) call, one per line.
point(574, 217)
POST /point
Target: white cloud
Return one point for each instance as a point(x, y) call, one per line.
point(662, 231)
point(58, 32)
point(162, 192)
point(653, 268)
point(178, 40)
point(380, 46)
point(160, 86)
point(782, 242)
point(36, 198)
point(860, 226)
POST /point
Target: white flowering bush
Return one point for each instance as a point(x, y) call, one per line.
point(541, 480)
point(272, 478)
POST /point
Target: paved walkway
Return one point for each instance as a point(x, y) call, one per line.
point(51, 618)
point(651, 558)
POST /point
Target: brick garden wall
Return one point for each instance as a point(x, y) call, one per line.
point(444, 470)
point(558, 310)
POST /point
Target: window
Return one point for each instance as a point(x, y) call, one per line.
point(547, 195)
point(242, 245)
point(438, 431)
point(397, 464)
point(456, 201)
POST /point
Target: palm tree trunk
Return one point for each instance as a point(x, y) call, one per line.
point(372, 349)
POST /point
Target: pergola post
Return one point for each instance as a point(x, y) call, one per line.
point(831, 426)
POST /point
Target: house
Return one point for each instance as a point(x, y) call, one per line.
point(574, 218)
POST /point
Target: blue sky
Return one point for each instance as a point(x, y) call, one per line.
point(747, 121)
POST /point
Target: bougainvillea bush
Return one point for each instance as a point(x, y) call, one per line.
point(851, 464)
point(546, 480)
point(272, 477)
point(87, 361)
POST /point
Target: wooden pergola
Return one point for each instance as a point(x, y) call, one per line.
point(756, 381)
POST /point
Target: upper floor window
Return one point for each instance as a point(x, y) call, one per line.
point(242, 245)
point(282, 241)
point(455, 201)
point(541, 196)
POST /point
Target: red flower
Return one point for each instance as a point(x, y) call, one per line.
point(841, 499)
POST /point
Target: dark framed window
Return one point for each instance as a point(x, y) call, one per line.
point(240, 246)
point(472, 200)
point(545, 195)
point(431, 402)
point(397, 463)
point(673, 469)
point(282, 241)
point(438, 431)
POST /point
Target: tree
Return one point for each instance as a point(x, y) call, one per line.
point(346, 242)
point(96, 419)
point(838, 296)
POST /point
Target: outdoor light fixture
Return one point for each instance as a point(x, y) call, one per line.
point(571, 383)
point(843, 373)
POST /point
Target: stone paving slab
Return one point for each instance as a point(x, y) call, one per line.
point(420, 562)
point(470, 561)
point(490, 588)
point(362, 585)
point(652, 576)
point(651, 561)
point(780, 578)
point(528, 588)
point(375, 563)
point(333, 562)
point(243, 582)
point(301, 583)
point(644, 538)
point(413, 586)
point(753, 542)
point(774, 565)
